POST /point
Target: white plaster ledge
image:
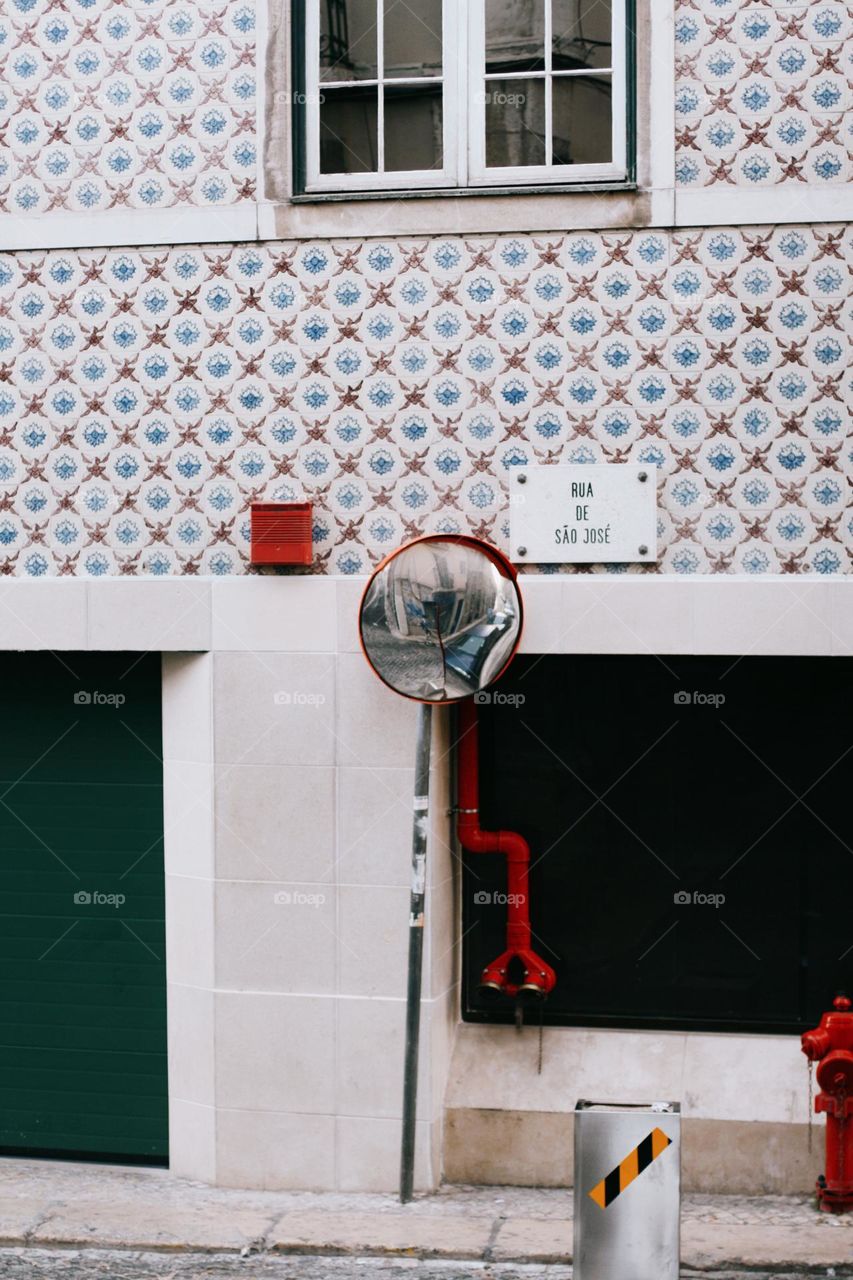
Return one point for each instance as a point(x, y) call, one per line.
point(179, 224)
point(769, 206)
point(714, 1076)
point(564, 614)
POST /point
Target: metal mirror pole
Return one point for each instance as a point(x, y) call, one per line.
point(420, 827)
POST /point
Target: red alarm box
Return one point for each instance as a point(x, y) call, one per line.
point(281, 533)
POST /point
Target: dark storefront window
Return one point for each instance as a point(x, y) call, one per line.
point(634, 783)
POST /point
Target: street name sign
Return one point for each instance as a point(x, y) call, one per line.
point(594, 513)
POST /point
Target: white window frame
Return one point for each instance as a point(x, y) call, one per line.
point(417, 179)
point(481, 175)
point(463, 114)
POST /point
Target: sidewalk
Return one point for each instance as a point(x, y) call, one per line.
point(49, 1205)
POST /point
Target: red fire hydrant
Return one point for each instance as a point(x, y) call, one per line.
point(830, 1045)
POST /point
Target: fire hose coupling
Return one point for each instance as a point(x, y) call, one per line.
point(519, 971)
point(534, 978)
point(830, 1045)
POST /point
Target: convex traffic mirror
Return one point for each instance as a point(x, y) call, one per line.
point(441, 618)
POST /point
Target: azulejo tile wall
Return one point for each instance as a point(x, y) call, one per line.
point(147, 396)
point(763, 94)
point(138, 104)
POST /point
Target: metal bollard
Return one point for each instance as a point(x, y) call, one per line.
point(627, 1190)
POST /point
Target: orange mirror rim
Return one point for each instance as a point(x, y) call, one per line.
point(463, 539)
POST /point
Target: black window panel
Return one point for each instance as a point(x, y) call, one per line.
point(629, 796)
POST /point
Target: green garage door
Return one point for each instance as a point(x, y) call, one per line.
point(82, 948)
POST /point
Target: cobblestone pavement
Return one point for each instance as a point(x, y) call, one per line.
point(67, 1264)
point(769, 1211)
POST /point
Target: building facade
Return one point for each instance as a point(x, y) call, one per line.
point(379, 256)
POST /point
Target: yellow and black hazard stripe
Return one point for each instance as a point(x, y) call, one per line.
point(631, 1167)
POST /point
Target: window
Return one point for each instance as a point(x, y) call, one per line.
point(681, 814)
point(402, 95)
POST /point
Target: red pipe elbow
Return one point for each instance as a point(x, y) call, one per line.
point(536, 977)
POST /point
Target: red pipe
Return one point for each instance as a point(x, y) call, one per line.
point(536, 977)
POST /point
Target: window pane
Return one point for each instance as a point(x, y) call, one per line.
point(348, 40)
point(515, 35)
point(413, 38)
point(413, 127)
point(348, 130)
point(515, 122)
point(582, 120)
point(582, 33)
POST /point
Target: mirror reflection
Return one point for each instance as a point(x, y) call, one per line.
point(441, 619)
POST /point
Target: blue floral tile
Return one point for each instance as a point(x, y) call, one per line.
point(763, 93)
point(153, 405)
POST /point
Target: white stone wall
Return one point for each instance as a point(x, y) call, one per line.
point(286, 1018)
point(288, 772)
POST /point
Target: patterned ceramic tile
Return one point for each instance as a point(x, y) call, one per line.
point(147, 396)
point(764, 92)
point(138, 104)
